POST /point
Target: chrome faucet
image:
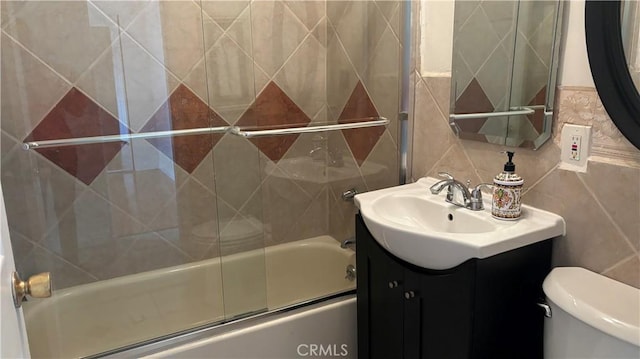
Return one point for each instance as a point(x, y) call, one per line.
point(455, 189)
point(348, 242)
point(317, 153)
point(319, 148)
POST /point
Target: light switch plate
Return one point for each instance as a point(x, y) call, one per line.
point(575, 143)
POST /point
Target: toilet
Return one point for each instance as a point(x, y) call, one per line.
point(591, 316)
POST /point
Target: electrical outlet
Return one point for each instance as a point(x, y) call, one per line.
point(575, 147)
point(574, 142)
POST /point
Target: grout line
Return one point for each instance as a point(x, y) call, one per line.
point(48, 229)
point(120, 256)
point(97, 103)
point(470, 16)
point(466, 155)
point(294, 52)
point(433, 98)
point(607, 214)
point(58, 76)
point(620, 263)
point(375, 147)
point(111, 45)
point(314, 199)
point(171, 198)
point(442, 158)
point(61, 258)
point(170, 244)
point(535, 51)
point(286, 4)
point(386, 21)
point(542, 178)
point(38, 59)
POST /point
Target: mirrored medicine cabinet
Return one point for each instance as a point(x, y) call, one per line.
point(503, 71)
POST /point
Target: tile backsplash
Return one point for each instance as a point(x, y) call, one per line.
point(603, 231)
point(93, 212)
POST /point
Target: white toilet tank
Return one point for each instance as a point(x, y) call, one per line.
point(591, 316)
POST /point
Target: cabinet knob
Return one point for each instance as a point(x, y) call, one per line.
point(393, 284)
point(409, 294)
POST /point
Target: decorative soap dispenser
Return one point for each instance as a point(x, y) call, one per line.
point(507, 189)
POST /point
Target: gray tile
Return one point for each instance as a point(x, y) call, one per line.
point(36, 192)
point(236, 179)
point(495, 76)
point(626, 272)
point(619, 200)
point(284, 203)
point(432, 136)
point(380, 169)
point(592, 241)
point(502, 15)
point(148, 252)
point(63, 274)
point(476, 40)
point(91, 222)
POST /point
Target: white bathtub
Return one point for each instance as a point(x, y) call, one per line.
point(110, 314)
point(322, 330)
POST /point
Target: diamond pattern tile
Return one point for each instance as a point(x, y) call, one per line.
point(473, 100)
point(537, 118)
point(184, 110)
point(360, 140)
point(75, 116)
point(273, 109)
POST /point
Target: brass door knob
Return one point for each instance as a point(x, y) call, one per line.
point(37, 286)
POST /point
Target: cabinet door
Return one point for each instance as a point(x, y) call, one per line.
point(384, 301)
point(386, 306)
point(413, 308)
point(444, 312)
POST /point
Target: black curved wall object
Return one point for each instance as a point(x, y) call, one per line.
point(608, 65)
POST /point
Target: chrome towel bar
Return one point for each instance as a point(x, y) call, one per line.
point(371, 122)
point(234, 130)
point(124, 137)
point(524, 111)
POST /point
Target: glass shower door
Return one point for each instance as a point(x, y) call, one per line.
point(115, 192)
point(231, 90)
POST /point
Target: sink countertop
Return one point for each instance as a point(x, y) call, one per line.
point(422, 229)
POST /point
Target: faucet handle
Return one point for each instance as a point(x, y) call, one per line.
point(445, 175)
point(479, 187)
point(475, 203)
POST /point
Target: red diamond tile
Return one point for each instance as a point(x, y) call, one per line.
point(358, 108)
point(537, 118)
point(184, 110)
point(273, 109)
point(75, 116)
point(473, 100)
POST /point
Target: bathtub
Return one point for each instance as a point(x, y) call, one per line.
point(117, 313)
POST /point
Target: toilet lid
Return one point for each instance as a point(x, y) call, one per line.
point(601, 302)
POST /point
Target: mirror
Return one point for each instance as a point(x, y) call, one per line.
point(504, 67)
point(604, 27)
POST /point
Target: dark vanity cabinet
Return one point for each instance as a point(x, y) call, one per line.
point(483, 308)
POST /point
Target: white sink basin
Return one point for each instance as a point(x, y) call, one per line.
point(423, 229)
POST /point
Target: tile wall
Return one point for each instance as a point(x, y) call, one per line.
point(603, 232)
point(93, 212)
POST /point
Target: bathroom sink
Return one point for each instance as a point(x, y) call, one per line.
point(422, 229)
